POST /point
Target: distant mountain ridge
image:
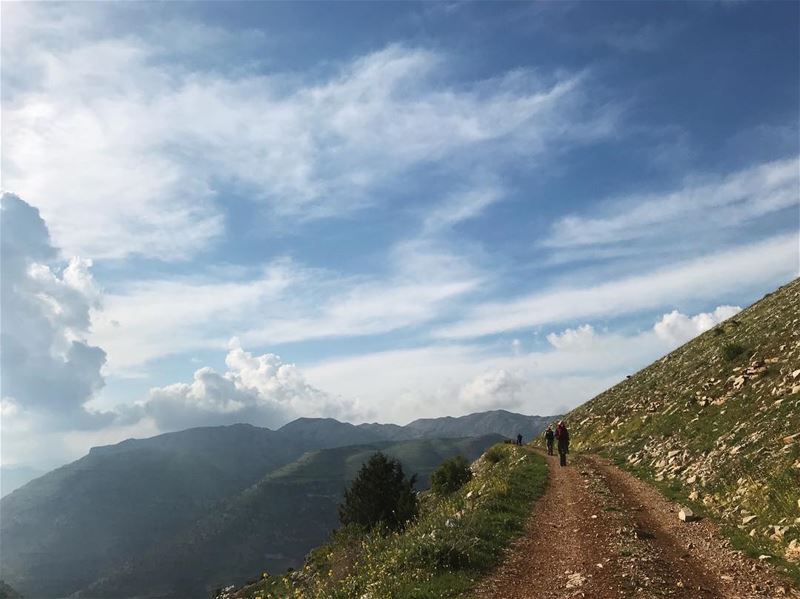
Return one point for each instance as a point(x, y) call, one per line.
point(74, 526)
point(501, 422)
point(272, 524)
point(13, 477)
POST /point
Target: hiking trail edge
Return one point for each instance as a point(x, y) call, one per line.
point(599, 532)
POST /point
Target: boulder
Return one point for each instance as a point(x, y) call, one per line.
point(685, 514)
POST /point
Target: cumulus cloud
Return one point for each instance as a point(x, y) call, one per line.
point(262, 390)
point(582, 337)
point(492, 390)
point(677, 328)
point(49, 369)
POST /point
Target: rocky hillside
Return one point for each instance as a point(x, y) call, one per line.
point(717, 423)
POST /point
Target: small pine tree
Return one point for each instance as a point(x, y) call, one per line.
point(380, 494)
point(451, 475)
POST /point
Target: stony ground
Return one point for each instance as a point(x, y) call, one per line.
point(717, 423)
point(601, 533)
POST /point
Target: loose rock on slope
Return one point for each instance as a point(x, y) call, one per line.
point(600, 533)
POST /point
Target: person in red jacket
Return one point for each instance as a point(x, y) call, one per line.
point(562, 436)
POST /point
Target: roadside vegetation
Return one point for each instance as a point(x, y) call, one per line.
point(716, 426)
point(459, 533)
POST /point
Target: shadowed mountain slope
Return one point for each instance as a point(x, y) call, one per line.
point(272, 524)
point(76, 524)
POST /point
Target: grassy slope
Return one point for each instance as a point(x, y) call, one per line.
point(270, 525)
point(707, 423)
point(454, 541)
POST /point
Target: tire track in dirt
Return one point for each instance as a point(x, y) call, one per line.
point(566, 549)
point(598, 532)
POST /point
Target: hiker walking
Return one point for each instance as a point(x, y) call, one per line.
point(519, 440)
point(549, 435)
point(562, 435)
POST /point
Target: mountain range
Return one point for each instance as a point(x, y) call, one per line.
point(139, 517)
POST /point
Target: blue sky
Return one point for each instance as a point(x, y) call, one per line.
point(378, 211)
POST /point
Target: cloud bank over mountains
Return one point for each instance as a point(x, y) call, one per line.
point(52, 373)
point(262, 390)
point(49, 369)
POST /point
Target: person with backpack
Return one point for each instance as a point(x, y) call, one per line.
point(549, 435)
point(562, 436)
point(519, 440)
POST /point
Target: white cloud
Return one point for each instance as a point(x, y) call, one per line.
point(124, 152)
point(765, 263)
point(261, 390)
point(282, 303)
point(461, 207)
point(145, 320)
point(492, 390)
point(454, 380)
point(582, 337)
point(723, 201)
point(49, 370)
point(677, 328)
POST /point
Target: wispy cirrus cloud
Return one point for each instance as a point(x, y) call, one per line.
point(726, 201)
point(143, 150)
point(461, 207)
point(282, 302)
point(767, 262)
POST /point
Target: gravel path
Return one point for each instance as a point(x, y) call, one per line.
point(600, 533)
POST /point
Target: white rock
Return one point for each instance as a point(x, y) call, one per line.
point(575, 580)
point(685, 514)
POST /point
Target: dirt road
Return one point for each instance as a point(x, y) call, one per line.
point(600, 533)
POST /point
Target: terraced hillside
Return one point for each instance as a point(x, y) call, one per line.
point(716, 423)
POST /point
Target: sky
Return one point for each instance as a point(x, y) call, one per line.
point(251, 212)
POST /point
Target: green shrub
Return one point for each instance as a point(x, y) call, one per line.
point(731, 351)
point(380, 494)
point(451, 475)
point(495, 454)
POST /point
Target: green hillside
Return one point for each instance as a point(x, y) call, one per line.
point(83, 522)
point(271, 525)
point(717, 423)
point(454, 541)
point(63, 530)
